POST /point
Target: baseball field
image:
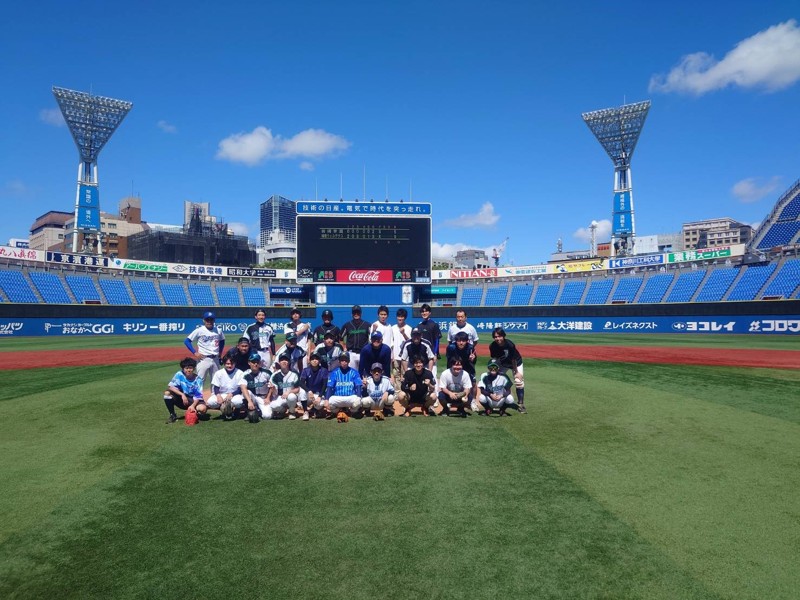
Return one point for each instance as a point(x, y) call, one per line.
point(646, 467)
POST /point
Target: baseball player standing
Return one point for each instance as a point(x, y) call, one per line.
point(210, 342)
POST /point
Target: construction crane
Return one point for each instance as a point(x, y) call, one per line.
point(498, 252)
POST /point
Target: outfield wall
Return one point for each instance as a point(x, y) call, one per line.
point(780, 317)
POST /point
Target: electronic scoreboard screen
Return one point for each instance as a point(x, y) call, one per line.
point(363, 249)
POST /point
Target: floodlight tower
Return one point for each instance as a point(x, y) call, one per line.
point(91, 120)
point(617, 130)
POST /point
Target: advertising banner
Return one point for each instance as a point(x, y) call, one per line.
point(472, 273)
point(636, 261)
point(444, 290)
point(579, 266)
point(702, 254)
point(88, 196)
point(89, 260)
point(88, 219)
point(706, 324)
point(623, 222)
point(293, 291)
point(211, 270)
point(363, 208)
point(21, 253)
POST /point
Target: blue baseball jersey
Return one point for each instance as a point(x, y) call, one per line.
point(191, 387)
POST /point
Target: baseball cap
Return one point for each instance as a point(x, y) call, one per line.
point(376, 367)
point(291, 336)
point(376, 335)
point(329, 334)
point(327, 314)
point(314, 355)
point(254, 358)
point(416, 331)
point(356, 310)
point(493, 365)
point(243, 339)
point(209, 315)
point(285, 357)
point(344, 356)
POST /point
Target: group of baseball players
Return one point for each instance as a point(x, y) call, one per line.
point(359, 370)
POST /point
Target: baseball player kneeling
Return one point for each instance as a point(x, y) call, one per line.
point(494, 390)
point(226, 389)
point(380, 392)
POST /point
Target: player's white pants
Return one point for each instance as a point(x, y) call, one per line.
point(207, 366)
point(313, 400)
point(344, 403)
point(276, 408)
point(519, 380)
point(266, 358)
point(215, 401)
point(487, 402)
point(369, 403)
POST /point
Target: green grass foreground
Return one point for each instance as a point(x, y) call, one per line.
point(623, 481)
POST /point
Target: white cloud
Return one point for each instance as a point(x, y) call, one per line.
point(166, 127)
point(260, 145)
point(239, 228)
point(770, 60)
point(313, 143)
point(15, 188)
point(52, 116)
point(753, 189)
point(483, 218)
point(448, 251)
point(603, 232)
point(307, 166)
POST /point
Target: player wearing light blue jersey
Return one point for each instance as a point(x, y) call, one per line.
point(344, 387)
point(380, 392)
point(185, 390)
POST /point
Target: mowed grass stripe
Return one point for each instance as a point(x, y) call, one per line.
point(422, 507)
point(710, 479)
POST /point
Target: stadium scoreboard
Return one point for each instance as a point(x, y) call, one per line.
point(364, 242)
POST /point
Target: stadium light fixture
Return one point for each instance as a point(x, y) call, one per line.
point(92, 120)
point(617, 130)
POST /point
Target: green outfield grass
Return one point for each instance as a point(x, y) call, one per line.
point(623, 481)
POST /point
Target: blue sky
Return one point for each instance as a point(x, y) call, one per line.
point(472, 106)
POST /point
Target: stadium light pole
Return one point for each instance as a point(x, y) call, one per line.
point(91, 121)
point(618, 130)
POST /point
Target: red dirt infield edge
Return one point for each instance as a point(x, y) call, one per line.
point(768, 359)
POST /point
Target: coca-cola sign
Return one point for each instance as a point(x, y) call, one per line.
point(361, 276)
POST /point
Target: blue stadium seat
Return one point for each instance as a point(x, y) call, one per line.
point(599, 291)
point(201, 295)
point(791, 211)
point(228, 296)
point(627, 289)
point(496, 296)
point(115, 291)
point(174, 295)
point(780, 234)
point(572, 292)
point(254, 296)
point(83, 288)
point(751, 282)
point(717, 284)
point(16, 288)
point(786, 281)
point(655, 288)
point(686, 286)
point(546, 294)
point(145, 292)
point(50, 287)
point(520, 295)
point(471, 296)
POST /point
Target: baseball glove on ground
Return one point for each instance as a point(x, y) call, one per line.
point(342, 417)
point(378, 416)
